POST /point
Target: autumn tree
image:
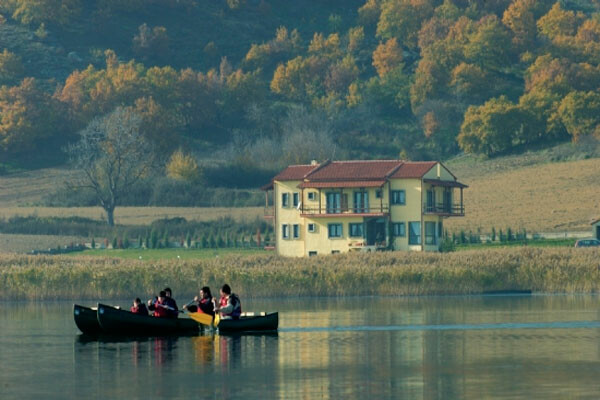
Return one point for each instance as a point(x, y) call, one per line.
point(113, 155)
point(493, 127)
point(402, 19)
point(387, 56)
point(183, 167)
point(580, 113)
point(38, 11)
point(29, 118)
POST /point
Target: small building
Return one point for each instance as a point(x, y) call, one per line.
point(341, 206)
point(596, 228)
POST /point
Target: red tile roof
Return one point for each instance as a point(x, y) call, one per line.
point(354, 170)
point(413, 169)
point(353, 173)
point(294, 172)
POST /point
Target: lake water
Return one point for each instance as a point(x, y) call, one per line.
point(463, 347)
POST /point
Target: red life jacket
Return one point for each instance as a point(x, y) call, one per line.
point(237, 310)
point(161, 311)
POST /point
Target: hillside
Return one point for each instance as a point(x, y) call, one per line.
point(550, 190)
point(543, 191)
point(260, 84)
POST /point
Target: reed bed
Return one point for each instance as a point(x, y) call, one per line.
point(395, 273)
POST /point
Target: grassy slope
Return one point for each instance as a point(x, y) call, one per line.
point(547, 190)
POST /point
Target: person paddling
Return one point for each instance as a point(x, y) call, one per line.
point(139, 307)
point(204, 303)
point(161, 307)
point(230, 306)
point(174, 310)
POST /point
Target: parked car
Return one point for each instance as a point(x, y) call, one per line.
point(587, 243)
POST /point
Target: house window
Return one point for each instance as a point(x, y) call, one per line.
point(285, 231)
point(312, 228)
point(361, 202)
point(335, 252)
point(378, 194)
point(334, 230)
point(285, 199)
point(399, 229)
point(440, 229)
point(356, 230)
point(296, 199)
point(296, 231)
point(398, 197)
point(414, 233)
point(312, 195)
point(430, 233)
point(312, 253)
point(431, 201)
point(334, 203)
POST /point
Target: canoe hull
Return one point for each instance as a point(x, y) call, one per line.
point(120, 322)
point(86, 320)
point(264, 323)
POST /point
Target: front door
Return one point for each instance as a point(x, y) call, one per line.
point(375, 231)
point(598, 232)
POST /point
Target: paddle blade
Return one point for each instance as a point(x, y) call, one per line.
point(202, 318)
point(217, 319)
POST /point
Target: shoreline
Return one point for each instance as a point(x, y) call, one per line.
point(472, 272)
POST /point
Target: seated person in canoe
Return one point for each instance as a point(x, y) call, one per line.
point(160, 306)
point(139, 307)
point(171, 302)
point(203, 303)
point(230, 306)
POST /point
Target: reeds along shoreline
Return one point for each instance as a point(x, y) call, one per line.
point(558, 270)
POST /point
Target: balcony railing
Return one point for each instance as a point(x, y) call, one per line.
point(269, 212)
point(345, 211)
point(444, 209)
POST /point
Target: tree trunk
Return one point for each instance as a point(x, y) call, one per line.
point(110, 216)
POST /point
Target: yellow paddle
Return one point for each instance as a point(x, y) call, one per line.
point(202, 318)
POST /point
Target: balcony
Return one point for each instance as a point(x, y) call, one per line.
point(324, 212)
point(269, 212)
point(444, 209)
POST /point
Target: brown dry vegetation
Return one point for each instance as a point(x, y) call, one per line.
point(137, 215)
point(542, 197)
point(26, 243)
point(540, 270)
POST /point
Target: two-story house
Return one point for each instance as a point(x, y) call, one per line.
point(340, 206)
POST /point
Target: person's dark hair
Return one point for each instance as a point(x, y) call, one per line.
point(206, 290)
point(137, 300)
point(162, 294)
point(168, 289)
point(226, 289)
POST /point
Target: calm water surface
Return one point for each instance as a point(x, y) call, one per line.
point(500, 347)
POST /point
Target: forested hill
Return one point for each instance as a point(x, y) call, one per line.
point(254, 85)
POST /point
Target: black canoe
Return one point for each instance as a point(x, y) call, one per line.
point(257, 323)
point(120, 322)
point(86, 320)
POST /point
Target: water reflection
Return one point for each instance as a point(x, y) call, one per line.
point(384, 348)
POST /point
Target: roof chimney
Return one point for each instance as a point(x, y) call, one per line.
point(313, 162)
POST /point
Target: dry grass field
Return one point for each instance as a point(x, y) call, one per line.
point(28, 188)
point(542, 197)
point(26, 243)
point(137, 215)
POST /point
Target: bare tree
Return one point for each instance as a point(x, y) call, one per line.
point(113, 155)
